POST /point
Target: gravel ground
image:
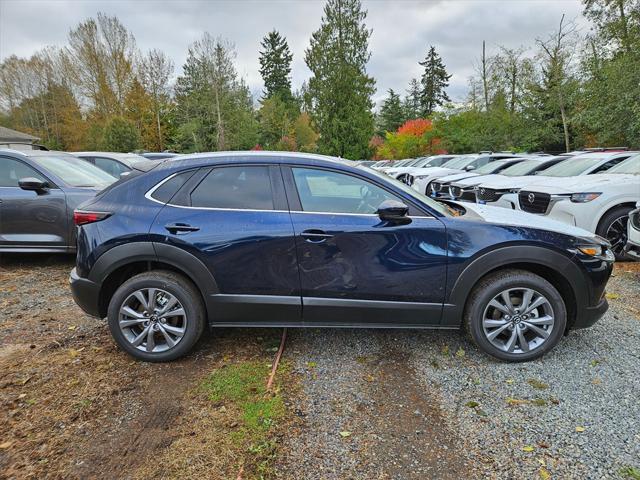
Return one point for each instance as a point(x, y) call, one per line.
point(573, 414)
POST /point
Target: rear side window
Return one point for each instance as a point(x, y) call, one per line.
point(11, 171)
point(168, 189)
point(245, 187)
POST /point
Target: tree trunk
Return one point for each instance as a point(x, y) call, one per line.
point(484, 77)
point(565, 126)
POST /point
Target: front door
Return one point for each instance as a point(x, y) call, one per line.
point(356, 268)
point(235, 219)
point(28, 219)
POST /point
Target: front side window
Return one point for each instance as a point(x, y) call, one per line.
point(630, 165)
point(11, 171)
point(333, 192)
point(246, 188)
point(74, 171)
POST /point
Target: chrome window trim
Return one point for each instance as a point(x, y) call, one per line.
point(150, 192)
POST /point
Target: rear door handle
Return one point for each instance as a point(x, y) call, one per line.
point(315, 236)
point(181, 228)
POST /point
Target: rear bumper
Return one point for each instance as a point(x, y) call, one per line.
point(85, 293)
point(590, 315)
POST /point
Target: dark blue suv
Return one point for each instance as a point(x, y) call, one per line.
point(294, 240)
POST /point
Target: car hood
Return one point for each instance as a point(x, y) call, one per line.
point(501, 182)
point(476, 180)
point(453, 178)
point(583, 183)
point(518, 218)
point(434, 171)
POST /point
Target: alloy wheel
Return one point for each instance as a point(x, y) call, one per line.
point(617, 234)
point(152, 320)
point(518, 320)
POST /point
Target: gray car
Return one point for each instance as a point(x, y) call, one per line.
point(38, 192)
point(111, 162)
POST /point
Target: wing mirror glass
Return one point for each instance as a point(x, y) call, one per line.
point(32, 184)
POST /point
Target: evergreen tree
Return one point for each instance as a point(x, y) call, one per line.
point(412, 100)
point(434, 80)
point(391, 114)
point(340, 90)
point(275, 66)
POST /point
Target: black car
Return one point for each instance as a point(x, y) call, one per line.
point(280, 239)
point(38, 193)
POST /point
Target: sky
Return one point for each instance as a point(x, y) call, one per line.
point(403, 30)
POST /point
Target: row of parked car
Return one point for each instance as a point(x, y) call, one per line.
point(595, 190)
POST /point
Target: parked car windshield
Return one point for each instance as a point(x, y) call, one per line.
point(522, 168)
point(74, 171)
point(572, 166)
point(630, 165)
point(460, 163)
point(490, 167)
point(437, 206)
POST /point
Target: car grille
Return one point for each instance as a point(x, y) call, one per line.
point(468, 196)
point(488, 194)
point(534, 202)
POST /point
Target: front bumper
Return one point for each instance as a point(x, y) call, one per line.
point(590, 315)
point(85, 293)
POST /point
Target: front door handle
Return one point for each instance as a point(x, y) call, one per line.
point(315, 236)
point(181, 228)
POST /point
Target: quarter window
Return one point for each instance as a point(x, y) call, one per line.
point(332, 192)
point(246, 187)
point(11, 171)
point(110, 166)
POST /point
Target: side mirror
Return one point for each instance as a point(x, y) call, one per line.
point(393, 211)
point(468, 168)
point(32, 184)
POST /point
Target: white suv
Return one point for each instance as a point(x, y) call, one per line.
point(598, 203)
point(503, 192)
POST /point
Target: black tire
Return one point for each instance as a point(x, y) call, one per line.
point(491, 286)
point(178, 286)
point(605, 224)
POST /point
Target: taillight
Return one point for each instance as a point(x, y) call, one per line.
point(82, 217)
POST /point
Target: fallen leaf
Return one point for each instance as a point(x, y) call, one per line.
point(72, 327)
point(612, 296)
point(544, 473)
point(509, 381)
point(345, 434)
point(580, 429)
point(460, 353)
point(516, 401)
point(528, 448)
point(471, 404)
point(311, 364)
point(6, 444)
point(537, 384)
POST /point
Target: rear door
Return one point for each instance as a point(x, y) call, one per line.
point(356, 268)
point(235, 219)
point(30, 219)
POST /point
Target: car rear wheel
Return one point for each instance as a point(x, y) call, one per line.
point(613, 227)
point(156, 316)
point(515, 315)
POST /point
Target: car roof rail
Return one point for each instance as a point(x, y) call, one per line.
point(485, 151)
point(606, 149)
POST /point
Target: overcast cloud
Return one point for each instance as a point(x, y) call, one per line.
point(402, 30)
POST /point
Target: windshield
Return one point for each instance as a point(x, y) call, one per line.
point(460, 162)
point(74, 171)
point(489, 167)
point(572, 166)
point(522, 168)
point(437, 206)
point(630, 165)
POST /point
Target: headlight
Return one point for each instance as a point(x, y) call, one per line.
point(601, 252)
point(584, 197)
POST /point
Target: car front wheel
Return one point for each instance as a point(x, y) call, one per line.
point(156, 316)
point(613, 227)
point(515, 315)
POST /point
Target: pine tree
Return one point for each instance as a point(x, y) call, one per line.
point(275, 66)
point(434, 80)
point(340, 90)
point(412, 100)
point(392, 113)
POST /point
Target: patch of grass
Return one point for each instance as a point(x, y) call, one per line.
point(537, 384)
point(630, 472)
point(251, 410)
